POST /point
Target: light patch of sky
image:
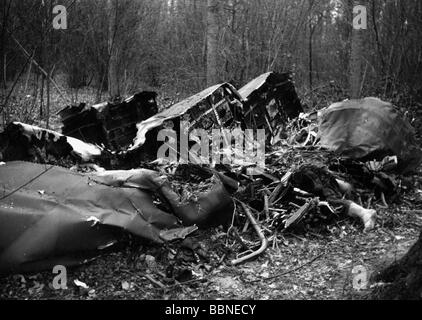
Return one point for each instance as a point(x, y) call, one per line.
point(336, 11)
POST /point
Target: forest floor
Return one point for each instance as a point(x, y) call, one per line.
point(307, 266)
point(310, 266)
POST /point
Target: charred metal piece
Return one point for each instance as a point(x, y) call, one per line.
point(270, 100)
point(112, 124)
point(216, 107)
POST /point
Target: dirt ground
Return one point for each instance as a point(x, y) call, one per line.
point(309, 266)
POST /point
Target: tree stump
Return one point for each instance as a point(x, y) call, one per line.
point(404, 276)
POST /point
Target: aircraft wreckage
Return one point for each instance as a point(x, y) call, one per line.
point(66, 198)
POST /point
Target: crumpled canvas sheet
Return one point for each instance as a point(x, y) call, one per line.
point(369, 129)
point(51, 216)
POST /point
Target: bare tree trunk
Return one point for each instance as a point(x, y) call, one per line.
point(43, 56)
point(311, 33)
point(42, 97)
point(404, 276)
point(47, 111)
point(356, 57)
point(5, 10)
point(3, 46)
point(377, 37)
point(113, 78)
point(212, 42)
point(48, 63)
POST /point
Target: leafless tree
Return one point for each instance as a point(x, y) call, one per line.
point(212, 41)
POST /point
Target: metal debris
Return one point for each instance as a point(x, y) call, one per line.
point(112, 124)
point(216, 107)
point(270, 101)
point(31, 143)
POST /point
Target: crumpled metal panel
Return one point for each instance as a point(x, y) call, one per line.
point(50, 215)
point(369, 129)
point(221, 102)
point(23, 142)
point(270, 100)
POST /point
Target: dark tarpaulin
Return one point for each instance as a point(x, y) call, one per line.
point(369, 129)
point(50, 215)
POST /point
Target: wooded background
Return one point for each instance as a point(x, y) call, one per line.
point(178, 47)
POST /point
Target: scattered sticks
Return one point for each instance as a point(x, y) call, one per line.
point(290, 271)
point(156, 282)
point(384, 203)
point(266, 207)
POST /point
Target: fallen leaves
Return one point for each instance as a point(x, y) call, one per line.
point(117, 277)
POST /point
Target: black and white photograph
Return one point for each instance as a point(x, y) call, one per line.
point(232, 152)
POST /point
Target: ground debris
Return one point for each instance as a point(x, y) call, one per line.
point(281, 219)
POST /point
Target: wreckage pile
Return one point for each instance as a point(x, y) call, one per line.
point(320, 167)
